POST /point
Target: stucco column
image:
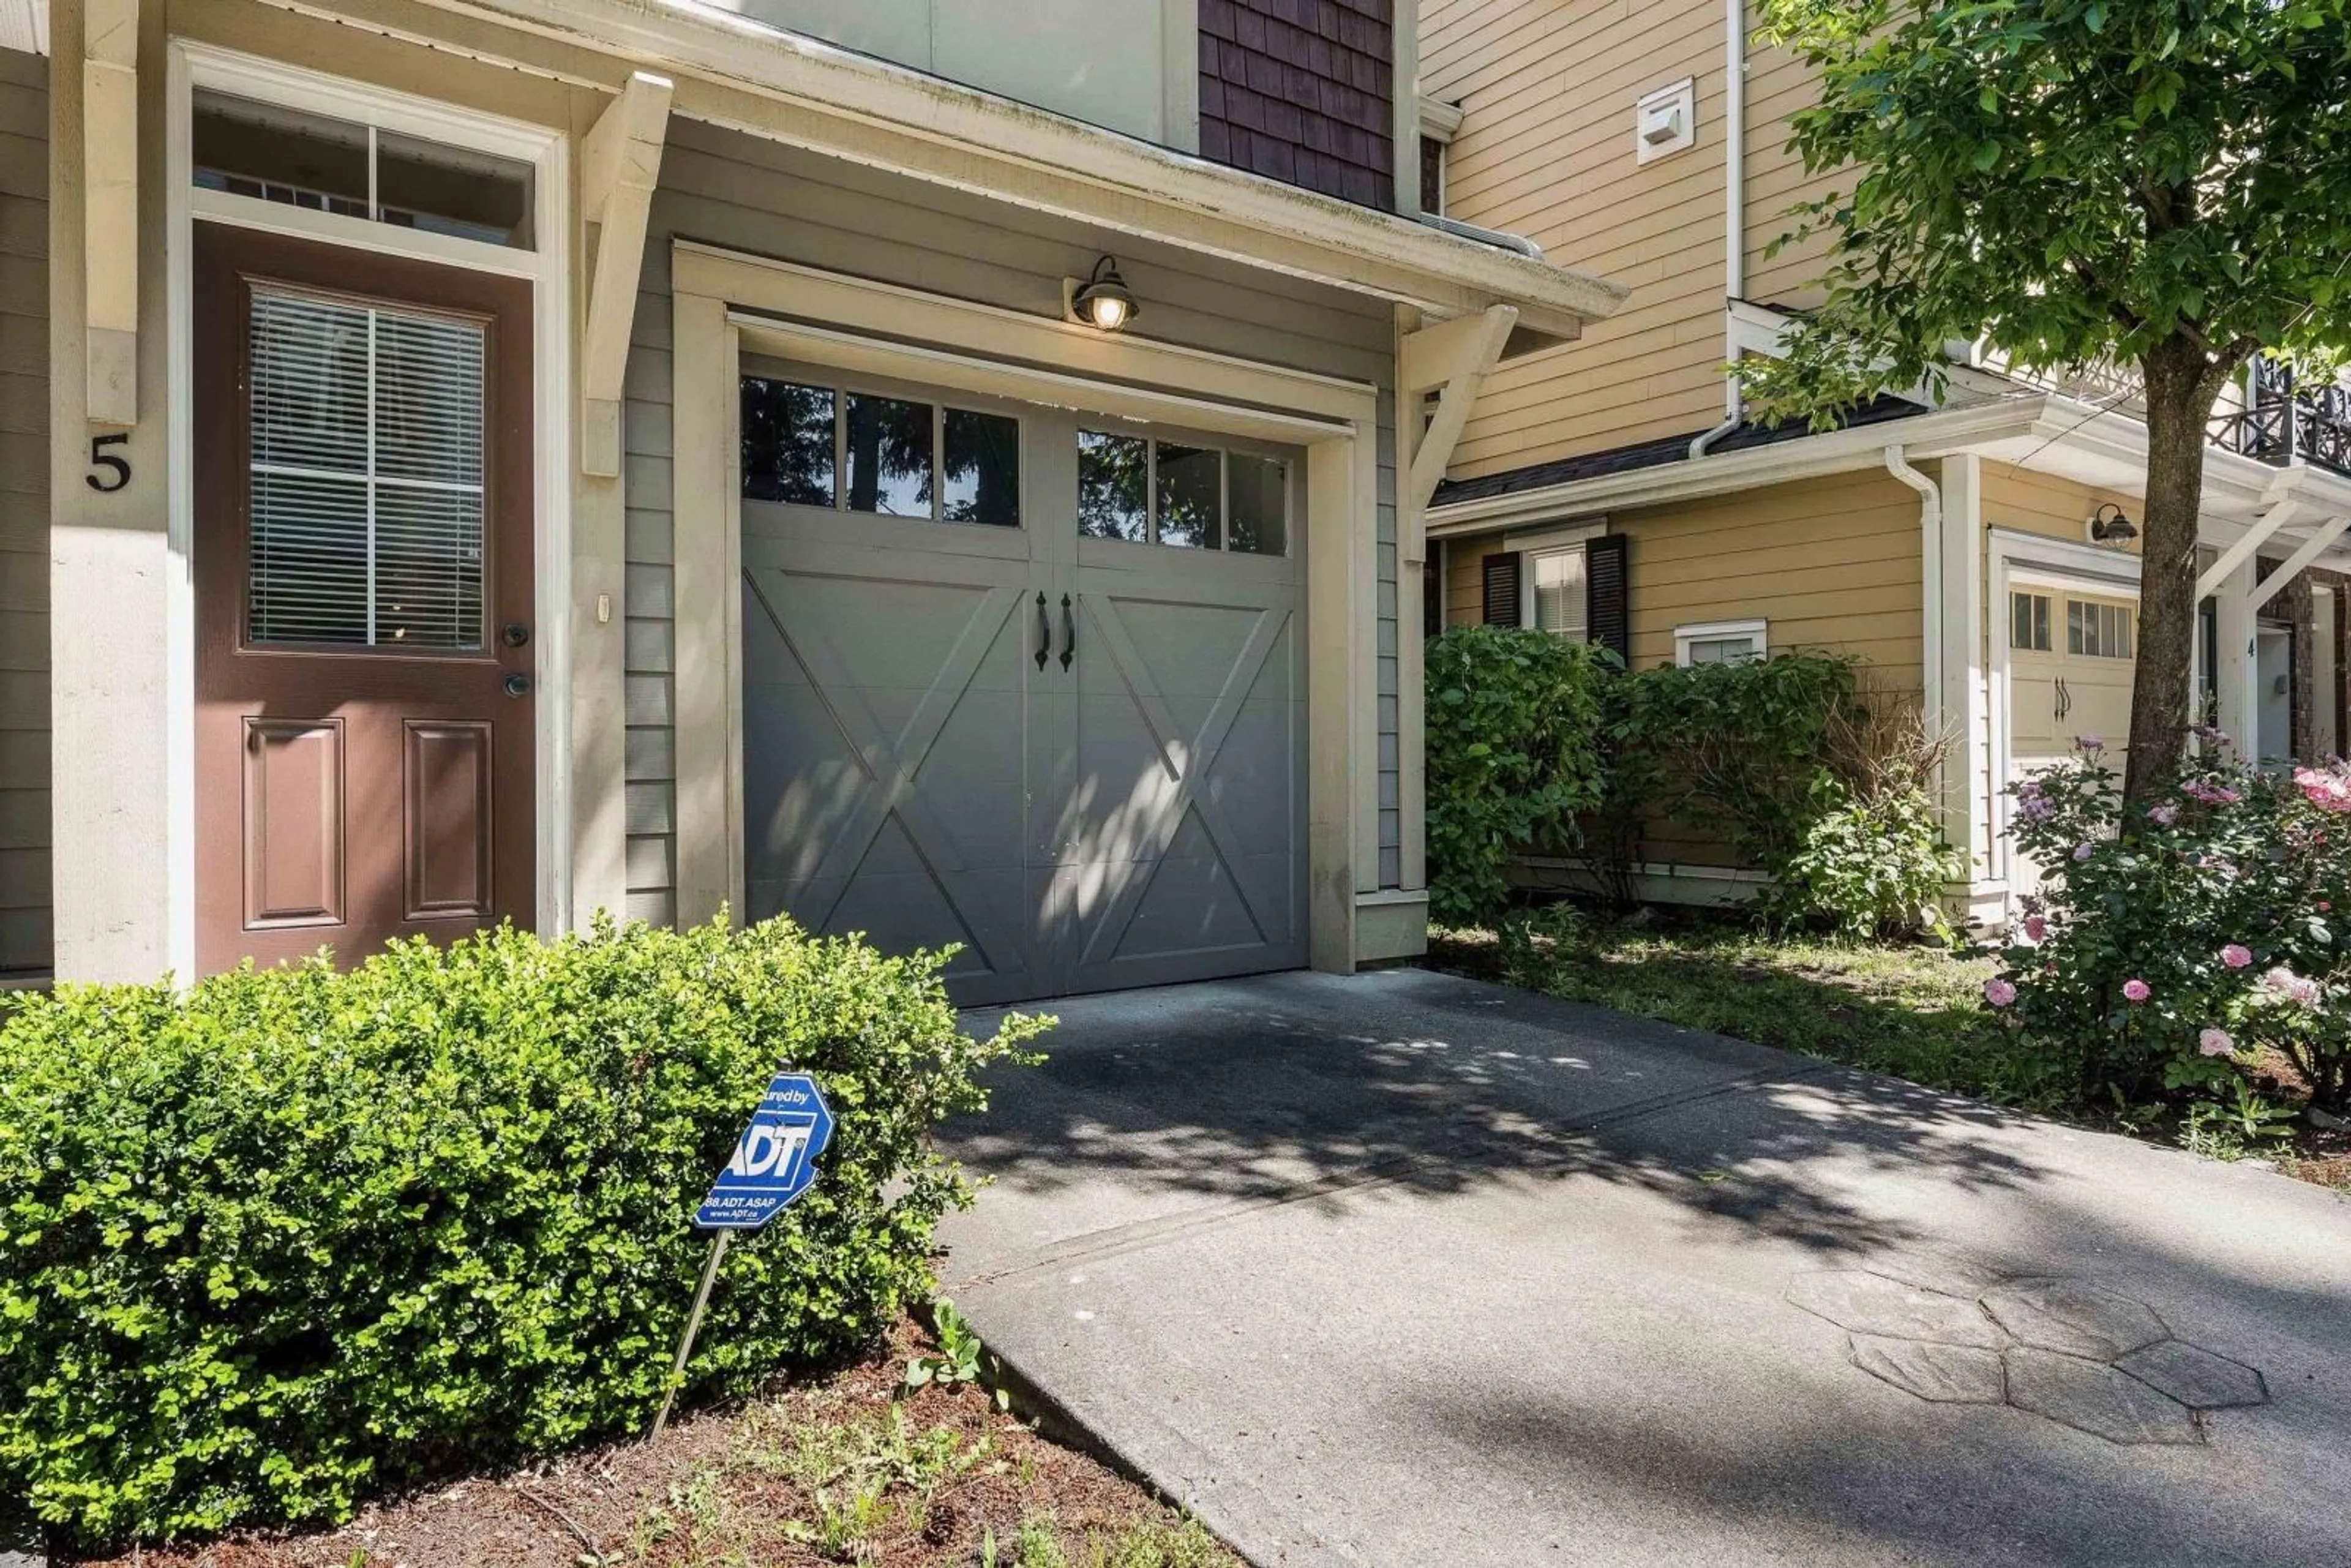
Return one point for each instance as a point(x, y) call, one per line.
point(118, 579)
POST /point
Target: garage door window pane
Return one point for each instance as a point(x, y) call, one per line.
point(2098, 631)
point(889, 447)
point(1189, 479)
point(1260, 496)
point(788, 443)
point(1114, 486)
point(982, 469)
point(2029, 622)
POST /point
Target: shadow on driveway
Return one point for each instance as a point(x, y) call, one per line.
point(1408, 1268)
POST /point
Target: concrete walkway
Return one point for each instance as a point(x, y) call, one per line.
point(1408, 1269)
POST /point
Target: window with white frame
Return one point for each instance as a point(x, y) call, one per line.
point(1557, 596)
point(1719, 643)
point(291, 157)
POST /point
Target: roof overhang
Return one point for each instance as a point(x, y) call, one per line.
point(2046, 431)
point(1932, 434)
point(760, 80)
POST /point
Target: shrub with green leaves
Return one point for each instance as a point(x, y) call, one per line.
point(1869, 865)
point(1740, 749)
point(290, 1237)
point(1514, 754)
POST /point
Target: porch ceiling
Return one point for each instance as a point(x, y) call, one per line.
point(2077, 441)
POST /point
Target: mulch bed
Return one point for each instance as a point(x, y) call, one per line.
point(741, 1487)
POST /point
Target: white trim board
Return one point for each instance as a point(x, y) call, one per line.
point(191, 65)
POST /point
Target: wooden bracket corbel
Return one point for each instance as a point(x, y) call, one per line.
point(109, 123)
point(620, 166)
point(1451, 358)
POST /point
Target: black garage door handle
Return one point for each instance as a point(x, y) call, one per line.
point(1069, 633)
point(1044, 631)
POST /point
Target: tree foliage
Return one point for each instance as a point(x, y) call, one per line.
point(2075, 180)
point(2070, 181)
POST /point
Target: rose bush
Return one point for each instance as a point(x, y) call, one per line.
point(2165, 949)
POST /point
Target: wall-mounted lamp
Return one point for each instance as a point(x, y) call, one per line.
point(1104, 303)
point(2109, 525)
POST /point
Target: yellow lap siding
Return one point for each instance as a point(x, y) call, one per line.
point(1830, 564)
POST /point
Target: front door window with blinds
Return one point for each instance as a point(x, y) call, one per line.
point(1558, 600)
point(367, 518)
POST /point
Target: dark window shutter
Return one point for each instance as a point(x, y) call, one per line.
point(1608, 610)
point(1432, 596)
point(1502, 588)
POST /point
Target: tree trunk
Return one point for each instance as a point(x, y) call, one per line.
point(2180, 393)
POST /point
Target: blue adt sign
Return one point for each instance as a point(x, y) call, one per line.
point(775, 1160)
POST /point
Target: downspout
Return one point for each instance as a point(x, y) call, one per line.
point(1930, 583)
point(1734, 213)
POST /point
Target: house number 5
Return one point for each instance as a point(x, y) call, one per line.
point(117, 468)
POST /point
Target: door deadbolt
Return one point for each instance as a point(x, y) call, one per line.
point(517, 684)
point(516, 634)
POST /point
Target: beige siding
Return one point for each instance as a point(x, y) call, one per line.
point(1546, 150)
point(1777, 85)
point(2029, 502)
point(23, 514)
point(1830, 564)
point(730, 189)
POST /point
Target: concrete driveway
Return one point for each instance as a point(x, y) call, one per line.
point(1409, 1269)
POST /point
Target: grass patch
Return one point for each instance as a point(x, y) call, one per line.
point(1908, 1010)
point(1914, 1012)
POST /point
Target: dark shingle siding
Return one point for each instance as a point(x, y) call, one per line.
point(1302, 91)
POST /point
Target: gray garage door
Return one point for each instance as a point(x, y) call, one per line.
point(1022, 680)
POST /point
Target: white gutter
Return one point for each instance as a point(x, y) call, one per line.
point(734, 71)
point(1931, 567)
point(1734, 213)
point(1929, 435)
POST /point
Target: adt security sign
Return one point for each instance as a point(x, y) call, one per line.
point(775, 1160)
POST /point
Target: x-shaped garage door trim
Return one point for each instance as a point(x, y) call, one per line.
point(1184, 768)
point(892, 763)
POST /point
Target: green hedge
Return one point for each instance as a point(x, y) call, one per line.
point(1514, 756)
point(294, 1235)
point(1538, 742)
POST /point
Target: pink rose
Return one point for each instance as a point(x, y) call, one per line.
point(2236, 957)
point(2288, 987)
point(2323, 906)
point(2036, 929)
point(2163, 816)
point(2136, 991)
point(2324, 787)
point(1999, 992)
point(2215, 1042)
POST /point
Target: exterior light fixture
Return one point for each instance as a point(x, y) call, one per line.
point(1105, 303)
point(2109, 525)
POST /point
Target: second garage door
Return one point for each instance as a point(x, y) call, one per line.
point(1020, 680)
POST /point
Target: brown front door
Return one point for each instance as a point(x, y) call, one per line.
point(364, 650)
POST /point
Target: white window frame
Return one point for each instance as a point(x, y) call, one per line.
point(1439, 122)
point(1528, 574)
point(1686, 636)
point(193, 65)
